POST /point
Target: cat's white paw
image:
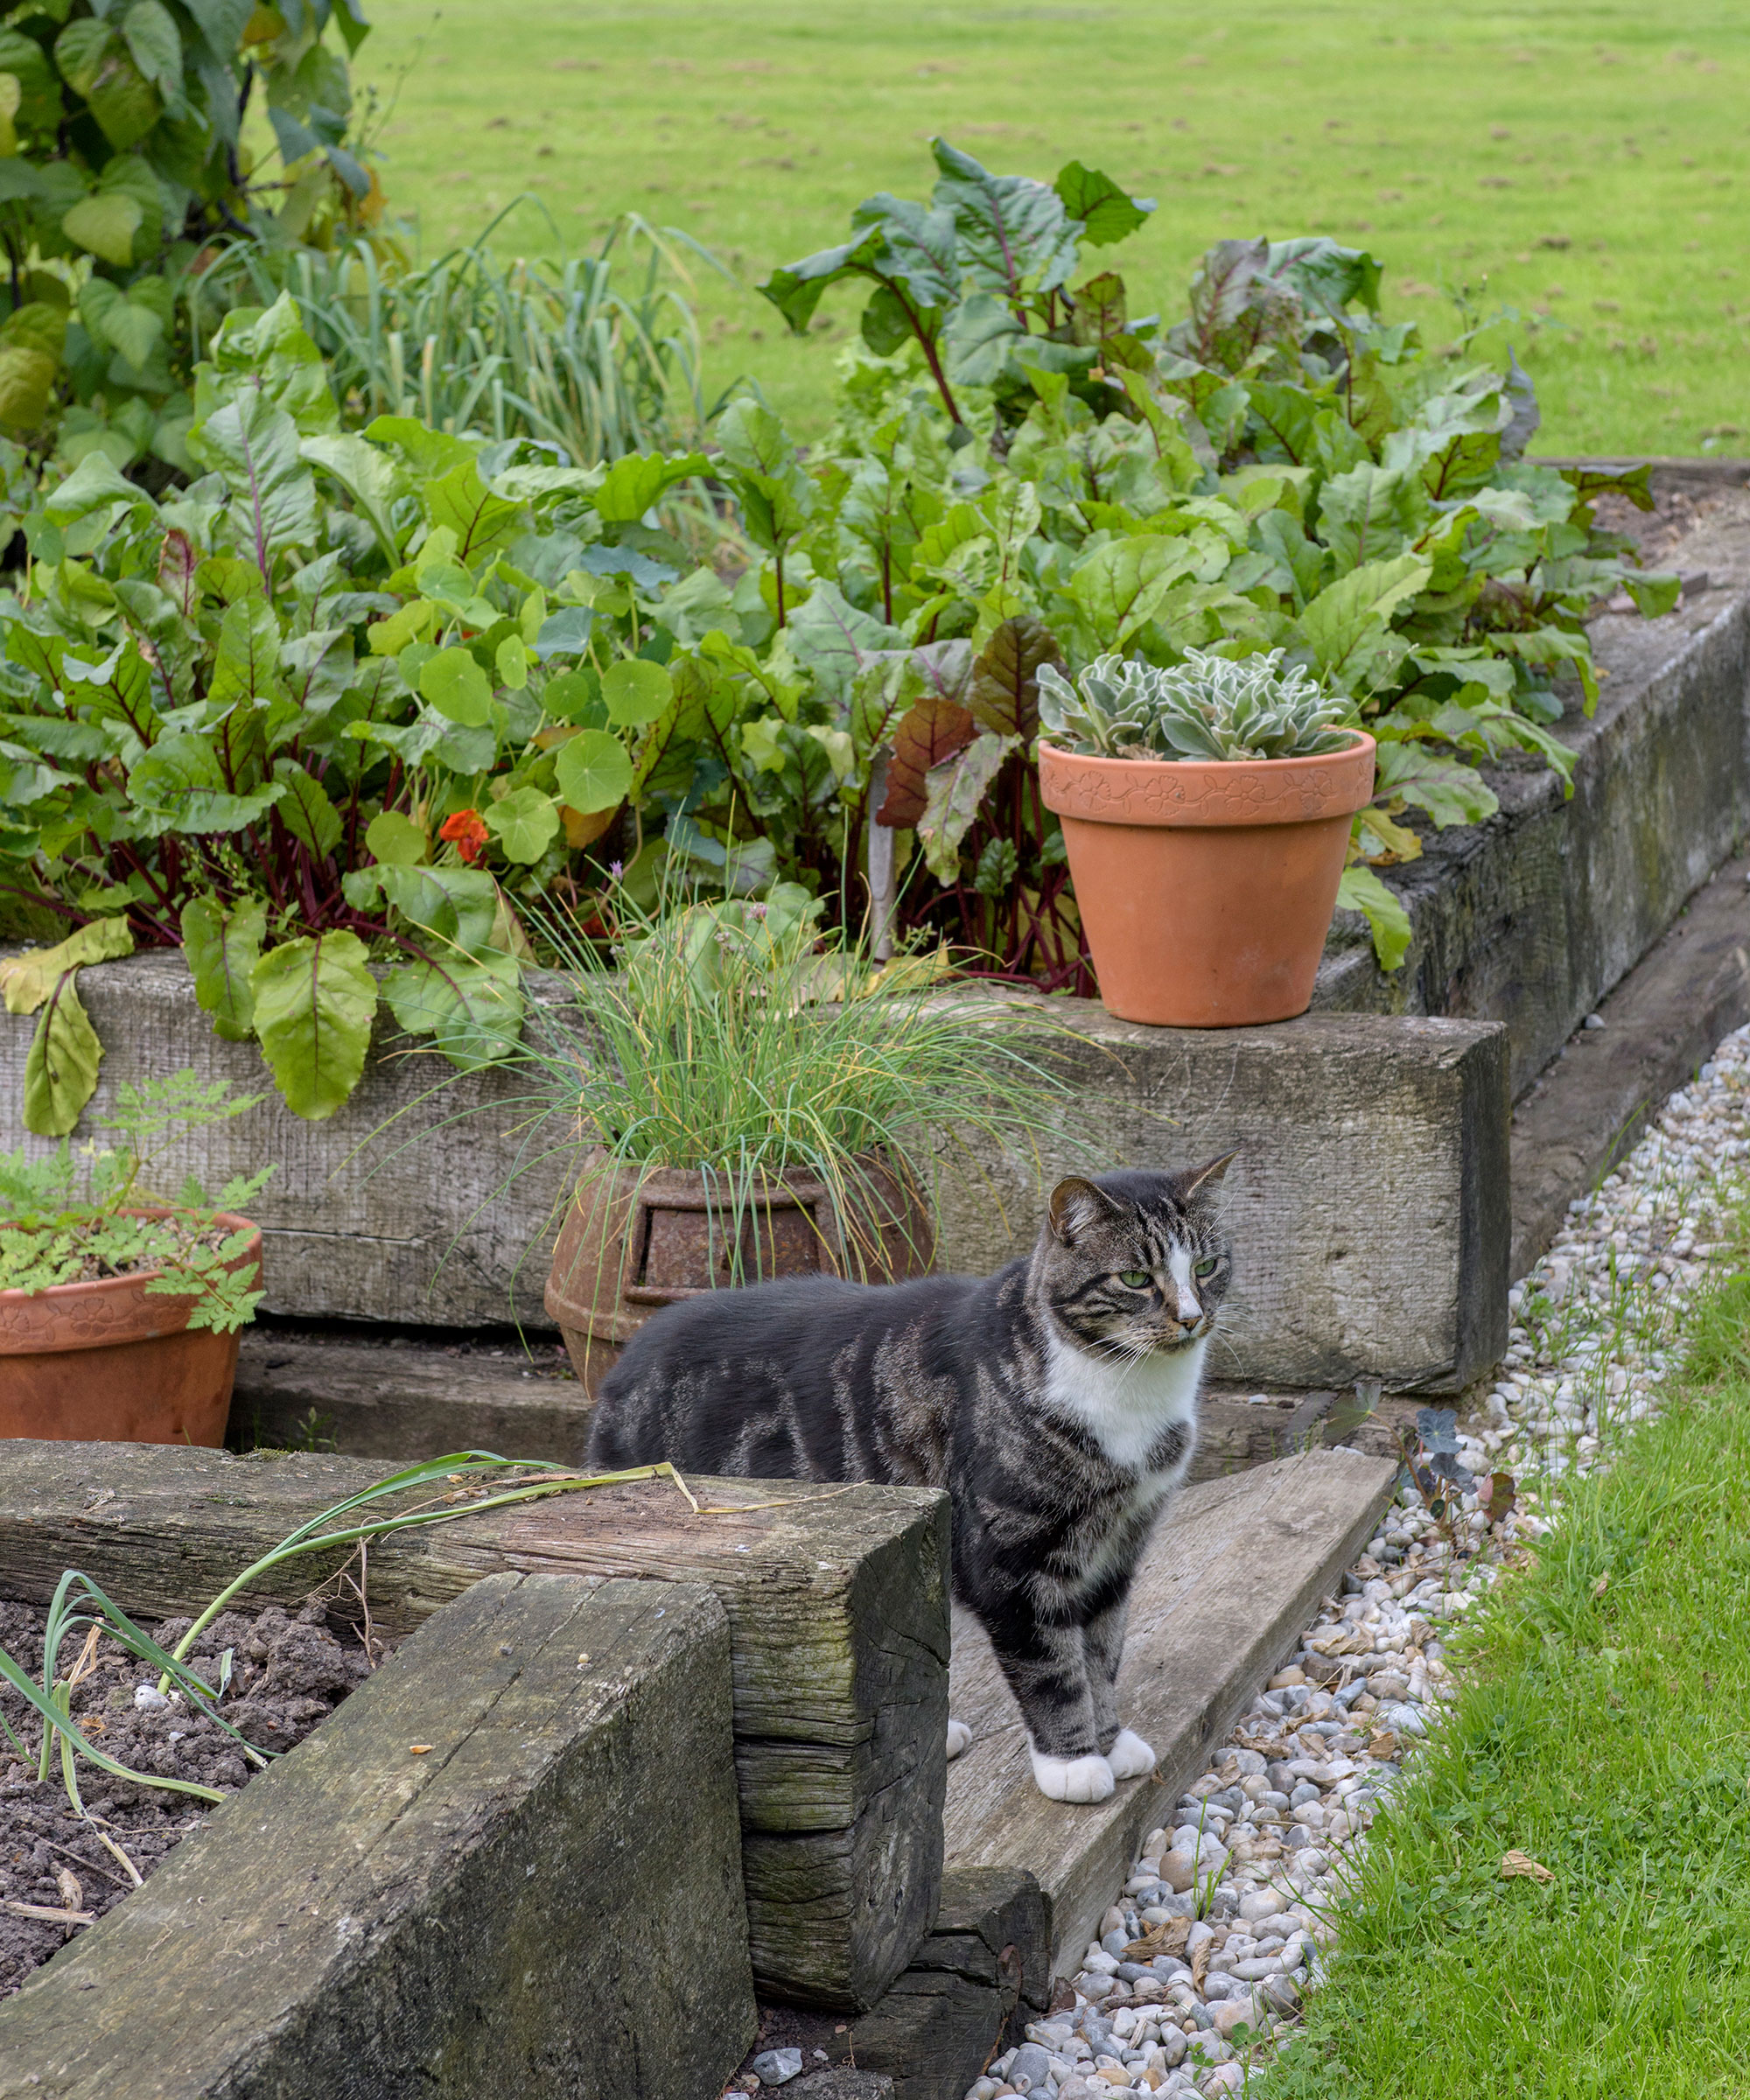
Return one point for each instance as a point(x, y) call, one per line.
point(1073, 1778)
point(1130, 1756)
point(958, 1737)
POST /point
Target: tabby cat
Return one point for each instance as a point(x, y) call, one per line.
point(1055, 1401)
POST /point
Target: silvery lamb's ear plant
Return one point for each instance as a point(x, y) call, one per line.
point(1206, 707)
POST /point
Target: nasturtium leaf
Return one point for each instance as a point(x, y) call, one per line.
point(575, 696)
point(397, 840)
point(565, 633)
point(525, 823)
point(593, 770)
point(315, 997)
point(221, 943)
point(511, 659)
point(60, 1067)
point(635, 691)
point(457, 687)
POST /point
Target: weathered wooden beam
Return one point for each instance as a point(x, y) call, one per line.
point(547, 1900)
point(838, 1603)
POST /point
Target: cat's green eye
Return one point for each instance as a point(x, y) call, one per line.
point(1207, 1266)
point(1136, 1279)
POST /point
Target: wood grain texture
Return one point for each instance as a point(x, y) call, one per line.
point(470, 1923)
point(836, 1598)
point(1232, 1576)
point(1368, 1203)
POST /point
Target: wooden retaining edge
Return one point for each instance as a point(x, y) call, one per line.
point(1228, 1586)
point(838, 1604)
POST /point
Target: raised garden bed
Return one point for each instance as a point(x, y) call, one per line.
point(289, 1672)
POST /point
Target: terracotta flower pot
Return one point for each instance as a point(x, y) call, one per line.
point(111, 1362)
point(635, 1239)
point(1206, 887)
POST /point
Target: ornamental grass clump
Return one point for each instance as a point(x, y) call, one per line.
point(1206, 707)
point(730, 1037)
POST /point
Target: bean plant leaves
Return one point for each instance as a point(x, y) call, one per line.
point(314, 1000)
point(60, 1067)
point(221, 944)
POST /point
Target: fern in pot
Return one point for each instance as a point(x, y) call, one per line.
point(751, 1100)
point(121, 1304)
point(1205, 810)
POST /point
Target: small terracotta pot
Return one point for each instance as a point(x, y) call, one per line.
point(1206, 887)
point(111, 1362)
point(636, 1239)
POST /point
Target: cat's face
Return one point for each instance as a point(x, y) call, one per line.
point(1135, 1264)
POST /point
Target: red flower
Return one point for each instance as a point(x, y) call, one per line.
point(468, 832)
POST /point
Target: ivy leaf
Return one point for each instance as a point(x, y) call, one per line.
point(1107, 212)
point(593, 771)
point(472, 1007)
point(525, 823)
point(26, 980)
point(932, 730)
point(953, 792)
point(221, 944)
point(1361, 890)
point(306, 810)
point(314, 999)
point(60, 1069)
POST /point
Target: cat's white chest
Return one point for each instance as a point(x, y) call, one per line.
point(1125, 1405)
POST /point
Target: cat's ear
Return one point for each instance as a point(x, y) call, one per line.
point(1076, 1207)
point(1203, 1184)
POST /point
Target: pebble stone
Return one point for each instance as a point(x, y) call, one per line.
point(1258, 1844)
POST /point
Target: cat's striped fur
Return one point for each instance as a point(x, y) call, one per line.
point(1055, 1401)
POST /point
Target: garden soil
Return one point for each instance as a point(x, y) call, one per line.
point(289, 1671)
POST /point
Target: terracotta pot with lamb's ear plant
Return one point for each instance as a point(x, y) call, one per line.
point(120, 1312)
point(1205, 812)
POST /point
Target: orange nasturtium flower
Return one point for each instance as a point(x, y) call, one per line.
point(467, 829)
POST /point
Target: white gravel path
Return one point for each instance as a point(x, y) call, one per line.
point(1233, 1899)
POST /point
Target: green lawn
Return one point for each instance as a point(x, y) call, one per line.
point(1604, 1730)
point(1586, 165)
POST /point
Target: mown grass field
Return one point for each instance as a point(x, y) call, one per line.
point(1587, 166)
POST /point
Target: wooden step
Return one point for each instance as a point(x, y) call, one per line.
point(1231, 1580)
